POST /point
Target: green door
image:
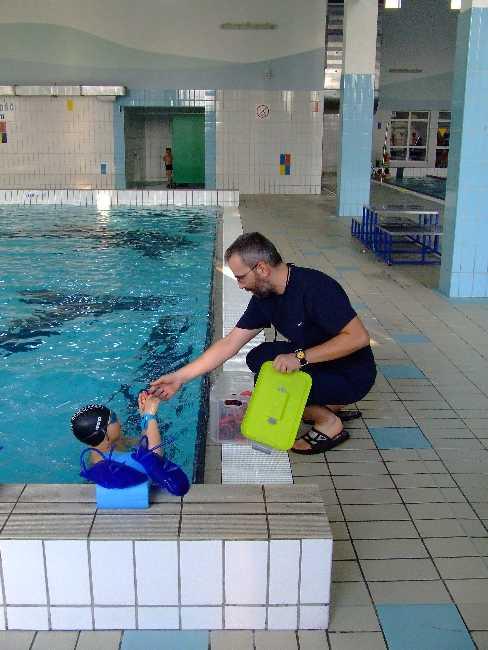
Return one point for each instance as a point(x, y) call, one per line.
point(188, 146)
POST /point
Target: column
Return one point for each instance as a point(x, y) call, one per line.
point(356, 112)
point(464, 268)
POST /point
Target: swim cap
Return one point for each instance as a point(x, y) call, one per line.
point(90, 424)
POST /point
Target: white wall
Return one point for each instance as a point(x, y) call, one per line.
point(50, 146)
point(248, 148)
point(330, 142)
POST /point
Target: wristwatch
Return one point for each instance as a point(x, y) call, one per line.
point(301, 356)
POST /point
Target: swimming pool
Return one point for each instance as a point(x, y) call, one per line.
point(94, 304)
point(429, 185)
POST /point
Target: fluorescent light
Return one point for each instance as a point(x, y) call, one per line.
point(33, 90)
point(455, 4)
point(393, 4)
point(102, 90)
point(7, 90)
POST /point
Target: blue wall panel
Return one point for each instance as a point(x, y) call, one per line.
point(464, 269)
point(356, 124)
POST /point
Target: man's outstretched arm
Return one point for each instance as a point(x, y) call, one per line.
point(167, 385)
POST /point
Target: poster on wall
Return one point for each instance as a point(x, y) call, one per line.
point(262, 111)
point(3, 131)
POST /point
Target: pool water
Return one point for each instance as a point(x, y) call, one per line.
point(93, 305)
point(429, 185)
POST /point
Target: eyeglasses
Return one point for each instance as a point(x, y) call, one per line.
point(240, 278)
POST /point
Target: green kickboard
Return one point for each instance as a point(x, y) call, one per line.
point(276, 407)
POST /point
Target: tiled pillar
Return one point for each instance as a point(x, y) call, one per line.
point(464, 269)
point(356, 114)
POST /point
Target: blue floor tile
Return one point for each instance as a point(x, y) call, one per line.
point(407, 339)
point(164, 640)
point(400, 371)
point(424, 627)
point(399, 438)
point(359, 306)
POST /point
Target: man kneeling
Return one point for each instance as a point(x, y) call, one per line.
point(324, 337)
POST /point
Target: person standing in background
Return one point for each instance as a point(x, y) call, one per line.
point(168, 164)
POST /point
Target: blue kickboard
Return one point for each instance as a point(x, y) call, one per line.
point(136, 497)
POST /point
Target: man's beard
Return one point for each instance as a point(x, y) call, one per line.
point(262, 292)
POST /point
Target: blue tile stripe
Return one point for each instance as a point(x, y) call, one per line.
point(158, 639)
point(399, 438)
point(424, 627)
point(400, 371)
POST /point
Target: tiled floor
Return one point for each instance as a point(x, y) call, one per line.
point(407, 495)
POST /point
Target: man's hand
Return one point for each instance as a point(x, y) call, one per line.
point(286, 363)
point(166, 386)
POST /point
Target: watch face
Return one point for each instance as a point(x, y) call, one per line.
point(300, 354)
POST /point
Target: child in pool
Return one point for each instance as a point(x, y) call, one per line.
point(97, 426)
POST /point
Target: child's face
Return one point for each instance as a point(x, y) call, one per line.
point(114, 431)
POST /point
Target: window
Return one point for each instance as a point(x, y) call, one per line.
point(393, 4)
point(455, 4)
point(408, 137)
point(443, 138)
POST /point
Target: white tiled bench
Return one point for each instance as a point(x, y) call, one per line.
point(224, 557)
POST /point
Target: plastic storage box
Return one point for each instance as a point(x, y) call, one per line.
point(229, 398)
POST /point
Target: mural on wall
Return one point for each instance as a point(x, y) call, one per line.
point(285, 164)
point(164, 43)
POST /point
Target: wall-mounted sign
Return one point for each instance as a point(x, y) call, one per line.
point(6, 106)
point(70, 104)
point(262, 111)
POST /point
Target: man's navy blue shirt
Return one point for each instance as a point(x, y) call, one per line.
point(313, 309)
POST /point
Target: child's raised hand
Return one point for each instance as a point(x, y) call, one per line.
point(148, 403)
